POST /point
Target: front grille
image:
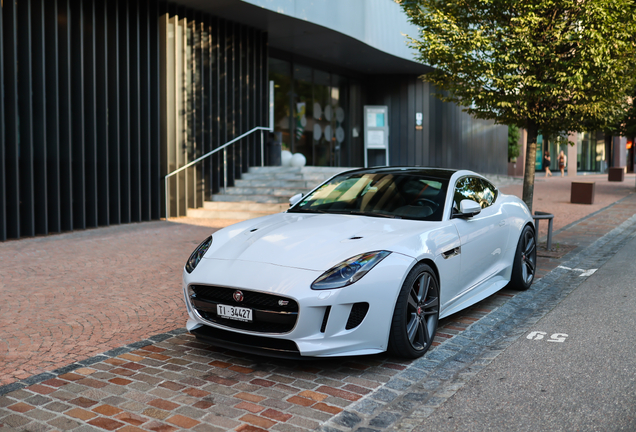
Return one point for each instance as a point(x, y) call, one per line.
point(253, 299)
point(270, 313)
point(358, 312)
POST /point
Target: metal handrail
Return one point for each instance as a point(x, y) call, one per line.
point(224, 148)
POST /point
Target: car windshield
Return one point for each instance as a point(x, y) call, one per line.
point(400, 195)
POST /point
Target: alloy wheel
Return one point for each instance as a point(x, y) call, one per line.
point(422, 311)
point(528, 257)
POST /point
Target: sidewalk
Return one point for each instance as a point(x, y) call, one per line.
point(91, 334)
point(571, 370)
point(576, 226)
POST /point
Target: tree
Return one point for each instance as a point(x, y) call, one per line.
point(548, 66)
point(513, 143)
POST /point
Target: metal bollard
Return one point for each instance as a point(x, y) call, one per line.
point(538, 215)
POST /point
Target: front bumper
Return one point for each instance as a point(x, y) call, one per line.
point(323, 327)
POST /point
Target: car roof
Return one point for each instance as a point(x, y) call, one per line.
point(439, 173)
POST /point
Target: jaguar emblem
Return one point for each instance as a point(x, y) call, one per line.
point(238, 296)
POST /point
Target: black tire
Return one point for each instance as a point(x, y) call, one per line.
point(525, 263)
point(416, 314)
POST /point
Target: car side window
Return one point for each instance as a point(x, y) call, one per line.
point(475, 189)
point(490, 192)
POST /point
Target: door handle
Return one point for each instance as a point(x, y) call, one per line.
point(451, 253)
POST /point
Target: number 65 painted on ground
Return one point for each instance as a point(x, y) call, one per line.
point(538, 335)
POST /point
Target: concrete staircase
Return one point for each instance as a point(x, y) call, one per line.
point(262, 191)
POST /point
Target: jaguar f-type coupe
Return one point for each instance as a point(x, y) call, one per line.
point(368, 261)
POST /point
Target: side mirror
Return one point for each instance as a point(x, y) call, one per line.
point(295, 199)
point(467, 209)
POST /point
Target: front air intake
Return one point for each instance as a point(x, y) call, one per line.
point(358, 312)
point(325, 318)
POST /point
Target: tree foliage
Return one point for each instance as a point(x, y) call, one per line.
point(513, 142)
point(549, 66)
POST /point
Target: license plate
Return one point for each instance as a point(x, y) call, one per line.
point(234, 313)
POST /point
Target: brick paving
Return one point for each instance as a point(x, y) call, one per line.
point(552, 195)
point(67, 297)
point(92, 339)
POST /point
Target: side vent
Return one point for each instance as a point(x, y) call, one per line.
point(358, 312)
point(323, 327)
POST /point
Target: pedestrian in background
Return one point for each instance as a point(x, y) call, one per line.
point(546, 163)
point(563, 161)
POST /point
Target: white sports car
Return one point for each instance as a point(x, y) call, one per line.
point(369, 261)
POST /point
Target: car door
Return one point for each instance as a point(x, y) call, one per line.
point(483, 237)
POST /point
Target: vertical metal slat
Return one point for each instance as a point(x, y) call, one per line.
point(114, 178)
point(90, 114)
point(101, 111)
point(144, 110)
point(40, 206)
point(135, 126)
point(77, 113)
point(155, 127)
point(3, 184)
point(25, 112)
point(52, 116)
point(124, 111)
point(65, 148)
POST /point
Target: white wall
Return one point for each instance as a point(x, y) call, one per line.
point(378, 23)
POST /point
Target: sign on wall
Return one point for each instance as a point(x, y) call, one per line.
point(376, 135)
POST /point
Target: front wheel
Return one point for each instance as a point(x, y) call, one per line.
point(416, 314)
point(525, 263)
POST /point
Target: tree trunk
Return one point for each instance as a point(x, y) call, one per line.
point(609, 150)
point(528, 176)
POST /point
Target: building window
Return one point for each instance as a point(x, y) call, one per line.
point(313, 113)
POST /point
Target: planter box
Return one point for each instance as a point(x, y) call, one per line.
point(616, 174)
point(582, 192)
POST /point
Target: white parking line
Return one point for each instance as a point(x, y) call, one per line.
point(584, 273)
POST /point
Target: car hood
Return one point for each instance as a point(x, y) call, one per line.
point(316, 241)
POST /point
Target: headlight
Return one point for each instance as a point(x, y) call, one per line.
point(349, 271)
point(198, 253)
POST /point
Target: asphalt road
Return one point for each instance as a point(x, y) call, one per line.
point(578, 374)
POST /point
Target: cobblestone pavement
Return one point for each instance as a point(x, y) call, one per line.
point(101, 351)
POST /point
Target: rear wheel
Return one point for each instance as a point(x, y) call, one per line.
point(524, 265)
point(416, 314)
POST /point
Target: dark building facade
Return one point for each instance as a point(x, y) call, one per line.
point(100, 99)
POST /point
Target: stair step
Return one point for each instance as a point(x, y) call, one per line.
point(203, 213)
point(262, 191)
point(249, 206)
point(305, 170)
point(272, 176)
point(284, 192)
point(255, 198)
point(274, 183)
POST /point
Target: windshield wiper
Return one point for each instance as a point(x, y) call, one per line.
point(293, 210)
point(351, 212)
point(361, 213)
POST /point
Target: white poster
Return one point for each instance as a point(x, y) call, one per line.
point(375, 139)
point(371, 119)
